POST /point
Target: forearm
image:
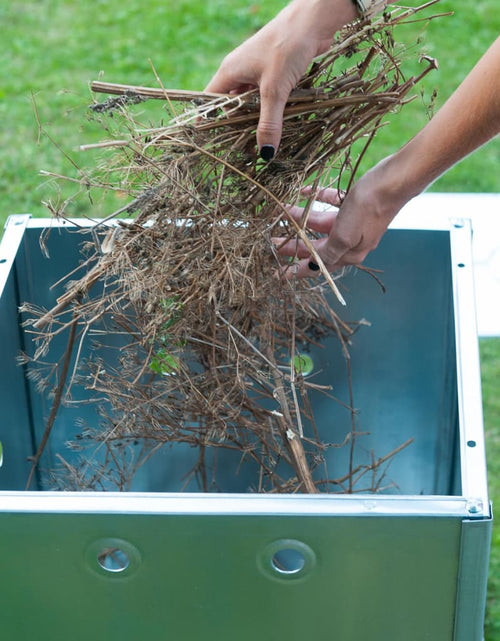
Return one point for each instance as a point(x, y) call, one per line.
point(320, 18)
point(323, 18)
point(467, 120)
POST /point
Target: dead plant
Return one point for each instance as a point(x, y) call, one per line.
point(206, 336)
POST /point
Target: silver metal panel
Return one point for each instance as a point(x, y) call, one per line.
point(213, 577)
point(471, 589)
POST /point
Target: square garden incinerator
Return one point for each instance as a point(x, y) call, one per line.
point(159, 564)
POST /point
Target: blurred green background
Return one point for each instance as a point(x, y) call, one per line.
point(54, 48)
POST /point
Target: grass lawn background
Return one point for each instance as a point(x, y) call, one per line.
point(54, 48)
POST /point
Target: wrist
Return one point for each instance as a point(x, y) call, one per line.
point(383, 190)
point(321, 19)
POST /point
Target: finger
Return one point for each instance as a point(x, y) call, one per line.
point(332, 258)
point(242, 88)
point(307, 268)
point(230, 79)
point(228, 86)
point(221, 83)
point(327, 195)
point(293, 247)
point(319, 221)
point(225, 79)
point(269, 129)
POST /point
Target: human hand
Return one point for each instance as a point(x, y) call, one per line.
point(277, 56)
point(468, 119)
point(349, 229)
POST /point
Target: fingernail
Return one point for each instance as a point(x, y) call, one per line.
point(267, 152)
point(314, 267)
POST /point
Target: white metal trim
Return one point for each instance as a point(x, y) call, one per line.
point(234, 504)
point(472, 446)
point(11, 239)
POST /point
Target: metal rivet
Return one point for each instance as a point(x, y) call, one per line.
point(474, 506)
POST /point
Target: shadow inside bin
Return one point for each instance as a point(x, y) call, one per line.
point(403, 375)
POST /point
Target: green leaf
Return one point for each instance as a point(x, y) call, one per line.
point(173, 307)
point(303, 364)
point(164, 363)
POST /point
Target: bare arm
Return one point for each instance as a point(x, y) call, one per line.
point(467, 120)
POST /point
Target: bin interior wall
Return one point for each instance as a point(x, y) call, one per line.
point(403, 372)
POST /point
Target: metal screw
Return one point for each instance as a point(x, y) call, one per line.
point(474, 506)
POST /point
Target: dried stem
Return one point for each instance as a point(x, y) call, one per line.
point(56, 402)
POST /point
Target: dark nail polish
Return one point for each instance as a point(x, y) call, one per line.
point(267, 152)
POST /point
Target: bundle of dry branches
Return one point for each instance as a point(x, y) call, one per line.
point(211, 333)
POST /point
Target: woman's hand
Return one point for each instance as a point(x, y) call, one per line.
point(468, 119)
point(350, 228)
point(277, 56)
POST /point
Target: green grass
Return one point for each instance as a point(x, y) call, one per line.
point(490, 365)
point(56, 47)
